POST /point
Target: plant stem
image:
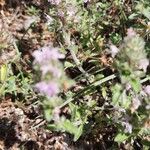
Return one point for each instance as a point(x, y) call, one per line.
point(145, 79)
point(92, 86)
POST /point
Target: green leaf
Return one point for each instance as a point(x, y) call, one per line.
point(3, 72)
point(116, 90)
point(125, 100)
point(2, 89)
point(75, 112)
point(73, 48)
point(52, 126)
point(73, 109)
point(146, 13)
point(69, 127)
point(48, 114)
point(132, 16)
point(11, 85)
point(144, 10)
point(104, 93)
point(146, 143)
point(121, 137)
point(78, 133)
point(136, 85)
point(68, 64)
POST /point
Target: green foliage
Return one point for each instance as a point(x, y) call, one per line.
point(121, 137)
point(85, 31)
point(32, 10)
point(74, 125)
point(108, 85)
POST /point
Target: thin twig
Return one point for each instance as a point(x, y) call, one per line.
point(42, 122)
point(78, 64)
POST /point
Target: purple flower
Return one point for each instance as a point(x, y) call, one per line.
point(71, 11)
point(143, 64)
point(56, 72)
point(113, 50)
point(61, 14)
point(127, 126)
point(47, 54)
point(130, 32)
point(135, 104)
point(50, 89)
point(128, 86)
point(147, 90)
point(47, 58)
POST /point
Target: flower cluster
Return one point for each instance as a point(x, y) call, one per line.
point(47, 59)
point(50, 89)
point(132, 62)
point(127, 126)
point(54, 2)
point(113, 50)
point(131, 52)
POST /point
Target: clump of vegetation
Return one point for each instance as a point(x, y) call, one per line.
point(84, 65)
